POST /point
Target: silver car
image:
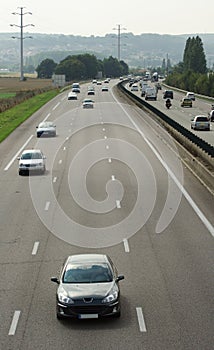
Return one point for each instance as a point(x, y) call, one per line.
point(200, 122)
point(32, 160)
point(88, 103)
point(46, 129)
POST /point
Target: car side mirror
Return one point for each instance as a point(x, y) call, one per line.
point(55, 280)
point(119, 278)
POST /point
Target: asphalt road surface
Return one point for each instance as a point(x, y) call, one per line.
point(114, 184)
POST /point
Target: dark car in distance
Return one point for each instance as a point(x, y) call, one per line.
point(88, 287)
point(168, 94)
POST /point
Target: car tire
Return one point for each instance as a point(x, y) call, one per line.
point(59, 317)
point(117, 315)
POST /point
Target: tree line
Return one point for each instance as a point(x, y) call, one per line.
point(82, 66)
point(192, 74)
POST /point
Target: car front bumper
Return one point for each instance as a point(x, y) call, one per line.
point(94, 310)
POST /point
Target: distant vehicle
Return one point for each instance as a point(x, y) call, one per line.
point(106, 81)
point(99, 82)
point(88, 287)
point(168, 94)
point(75, 85)
point(104, 88)
point(158, 86)
point(46, 129)
point(134, 87)
point(186, 102)
point(33, 161)
point(151, 94)
point(211, 115)
point(200, 122)
point(154, 76)
point(94, 81)
point(76, 89)
point(72, 96)
point(144, 86)
point(168, 103)
point(191, 95)
point(91, 92)
point(88, 103)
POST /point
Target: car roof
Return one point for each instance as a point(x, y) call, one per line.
point(84, 258)
point(31, 151)
point(46, 123)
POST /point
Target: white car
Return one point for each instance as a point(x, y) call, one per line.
point(32, 160)
point(191, 95)
point(104, 88)
point(88, 103)
point(134, 87)
point(46, 129)
point(72, 95)
point(200, 122)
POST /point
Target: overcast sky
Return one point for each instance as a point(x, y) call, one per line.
point(99, 17)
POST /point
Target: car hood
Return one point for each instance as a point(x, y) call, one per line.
point(31, 161)
point(83, 290)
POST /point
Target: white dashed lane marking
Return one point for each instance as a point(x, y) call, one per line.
point(14, 322)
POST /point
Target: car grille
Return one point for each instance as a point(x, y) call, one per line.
point(89, 309)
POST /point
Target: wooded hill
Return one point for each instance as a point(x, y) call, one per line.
point(145, 50)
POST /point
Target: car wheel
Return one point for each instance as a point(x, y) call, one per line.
point(117, 315)
point(20, 172)
point(59, 317)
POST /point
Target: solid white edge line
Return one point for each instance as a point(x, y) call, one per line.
point(141, 320)
point(126, 245)
point(14, 322)
point(35, 248)
point(16, 155)
point(194, 206)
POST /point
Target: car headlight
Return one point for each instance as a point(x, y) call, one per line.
point(112, 296)
point(64, 298)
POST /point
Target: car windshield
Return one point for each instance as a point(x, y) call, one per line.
point(90, 273)
point(34, 155)
point(201, 119)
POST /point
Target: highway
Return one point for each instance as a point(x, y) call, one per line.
point(183, 115)
point(114, 184)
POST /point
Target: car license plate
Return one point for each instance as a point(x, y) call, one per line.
point(88, 316)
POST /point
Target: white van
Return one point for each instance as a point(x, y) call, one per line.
point(191, 95)
point(151, 94)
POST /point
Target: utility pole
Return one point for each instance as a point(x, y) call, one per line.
point(21, 26)
point(118, 39)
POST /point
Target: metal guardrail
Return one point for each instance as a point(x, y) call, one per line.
point(203, 145)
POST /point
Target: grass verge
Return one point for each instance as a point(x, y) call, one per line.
point(10, 119)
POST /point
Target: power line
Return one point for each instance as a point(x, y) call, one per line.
point(21, 26)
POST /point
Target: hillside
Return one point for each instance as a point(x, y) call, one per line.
point(136, 50)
